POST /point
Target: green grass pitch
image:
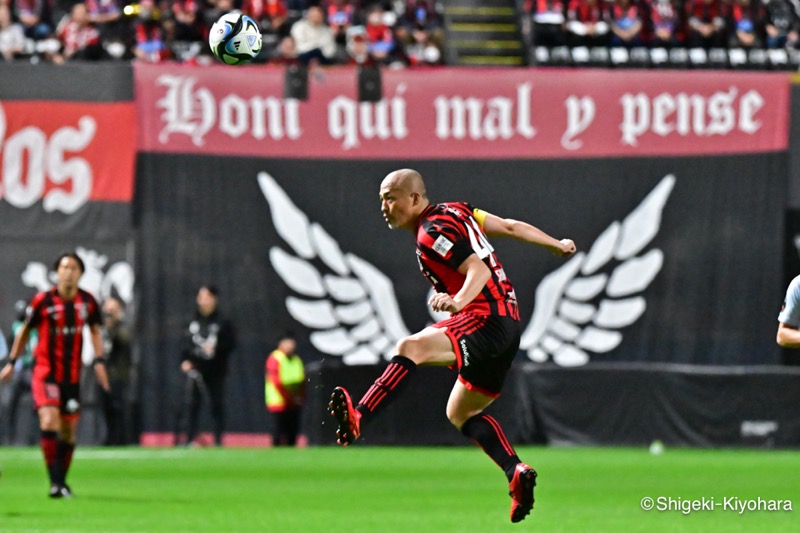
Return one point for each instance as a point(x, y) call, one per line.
point(377, 489)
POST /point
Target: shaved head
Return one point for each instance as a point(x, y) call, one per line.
point(405, 180)
point(403, 198)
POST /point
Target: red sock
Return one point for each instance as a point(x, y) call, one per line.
point(49, 444)
point(386, 387)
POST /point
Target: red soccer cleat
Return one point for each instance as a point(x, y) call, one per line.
point(347, 416)
point(521, 491)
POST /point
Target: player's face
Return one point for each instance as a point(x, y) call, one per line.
point(396, 206)
point(68, 272)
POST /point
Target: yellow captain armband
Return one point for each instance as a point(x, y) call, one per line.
point(480, 216)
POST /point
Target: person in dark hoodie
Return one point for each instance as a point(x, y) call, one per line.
point(206, 346)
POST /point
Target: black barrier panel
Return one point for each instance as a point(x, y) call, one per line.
point(31, 242)
point(605, 404)
point(75, 82)
point(712, 257)
point(94, 220)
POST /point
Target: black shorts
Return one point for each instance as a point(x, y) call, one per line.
point(485, 347)
point(64, 396)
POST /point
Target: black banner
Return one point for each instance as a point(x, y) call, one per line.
point(681, 260)
point(75, 82)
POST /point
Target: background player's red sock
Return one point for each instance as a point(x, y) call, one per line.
point(49, 444)
point(487, 433)
point(64, 451)
point(386, 387)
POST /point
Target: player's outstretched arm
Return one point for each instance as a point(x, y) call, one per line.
point(522, 231)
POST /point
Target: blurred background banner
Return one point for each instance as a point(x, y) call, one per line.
point(674, 186)
point(454, 114)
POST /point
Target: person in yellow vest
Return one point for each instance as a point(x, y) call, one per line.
point(285, 390)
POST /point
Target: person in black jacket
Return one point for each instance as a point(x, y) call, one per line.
point(206, 346)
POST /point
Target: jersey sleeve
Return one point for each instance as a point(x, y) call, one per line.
point(445, 243)
point(790, 312)
point(33, 312)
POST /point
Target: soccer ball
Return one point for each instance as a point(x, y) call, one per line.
point(235, 39)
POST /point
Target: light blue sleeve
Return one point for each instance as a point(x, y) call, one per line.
point(790, 312)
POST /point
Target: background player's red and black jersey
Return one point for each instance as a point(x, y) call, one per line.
point(60, 325)
point(446, 235)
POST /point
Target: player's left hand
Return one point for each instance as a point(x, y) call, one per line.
point(567, 248)
point(441, 301)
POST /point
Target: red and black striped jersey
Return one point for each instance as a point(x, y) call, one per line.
point(60, 323)
point(447, 234)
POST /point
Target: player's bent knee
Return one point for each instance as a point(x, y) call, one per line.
point(411, 348)
point(456, 418)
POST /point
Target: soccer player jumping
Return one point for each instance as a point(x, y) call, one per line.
point(482, 335)
point(59, 316)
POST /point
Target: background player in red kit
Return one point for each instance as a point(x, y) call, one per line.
point(482, 335)
point(59, 316)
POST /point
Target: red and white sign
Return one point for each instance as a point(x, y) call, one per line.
point(66, 154)
point(454, 113)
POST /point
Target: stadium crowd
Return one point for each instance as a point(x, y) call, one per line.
point(328, 32)
point(706, 24)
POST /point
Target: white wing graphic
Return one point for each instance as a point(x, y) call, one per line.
point(579, 308)
point(349, 303)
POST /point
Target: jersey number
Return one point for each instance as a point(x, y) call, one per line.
point(480, 245)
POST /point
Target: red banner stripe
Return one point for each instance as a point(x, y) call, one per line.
point(84, 149)
point(457, 113)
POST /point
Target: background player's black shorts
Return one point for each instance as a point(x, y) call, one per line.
point(65, 396)
point(485, 347)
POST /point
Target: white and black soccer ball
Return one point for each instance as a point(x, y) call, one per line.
point(235, 38)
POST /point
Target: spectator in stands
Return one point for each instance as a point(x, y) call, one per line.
point(705, 24)
point(151, 40)
point(423, 49)
point(313, 38)
point(549, 22)
point(272, 17)
point(781, 24)
point(105, 15)
point(12, 37)
point(587, 23)
point(214, 9)
point(665, 20)
point(746, 24)
point(35, 17)
point(297, 6)
point(341, 16)
point(380, 37)
point(188, 20)
point(79, 38)
point(286, 52)
point(626, 24)
point(423, 12)
point(358, 48)
point(420, 14)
